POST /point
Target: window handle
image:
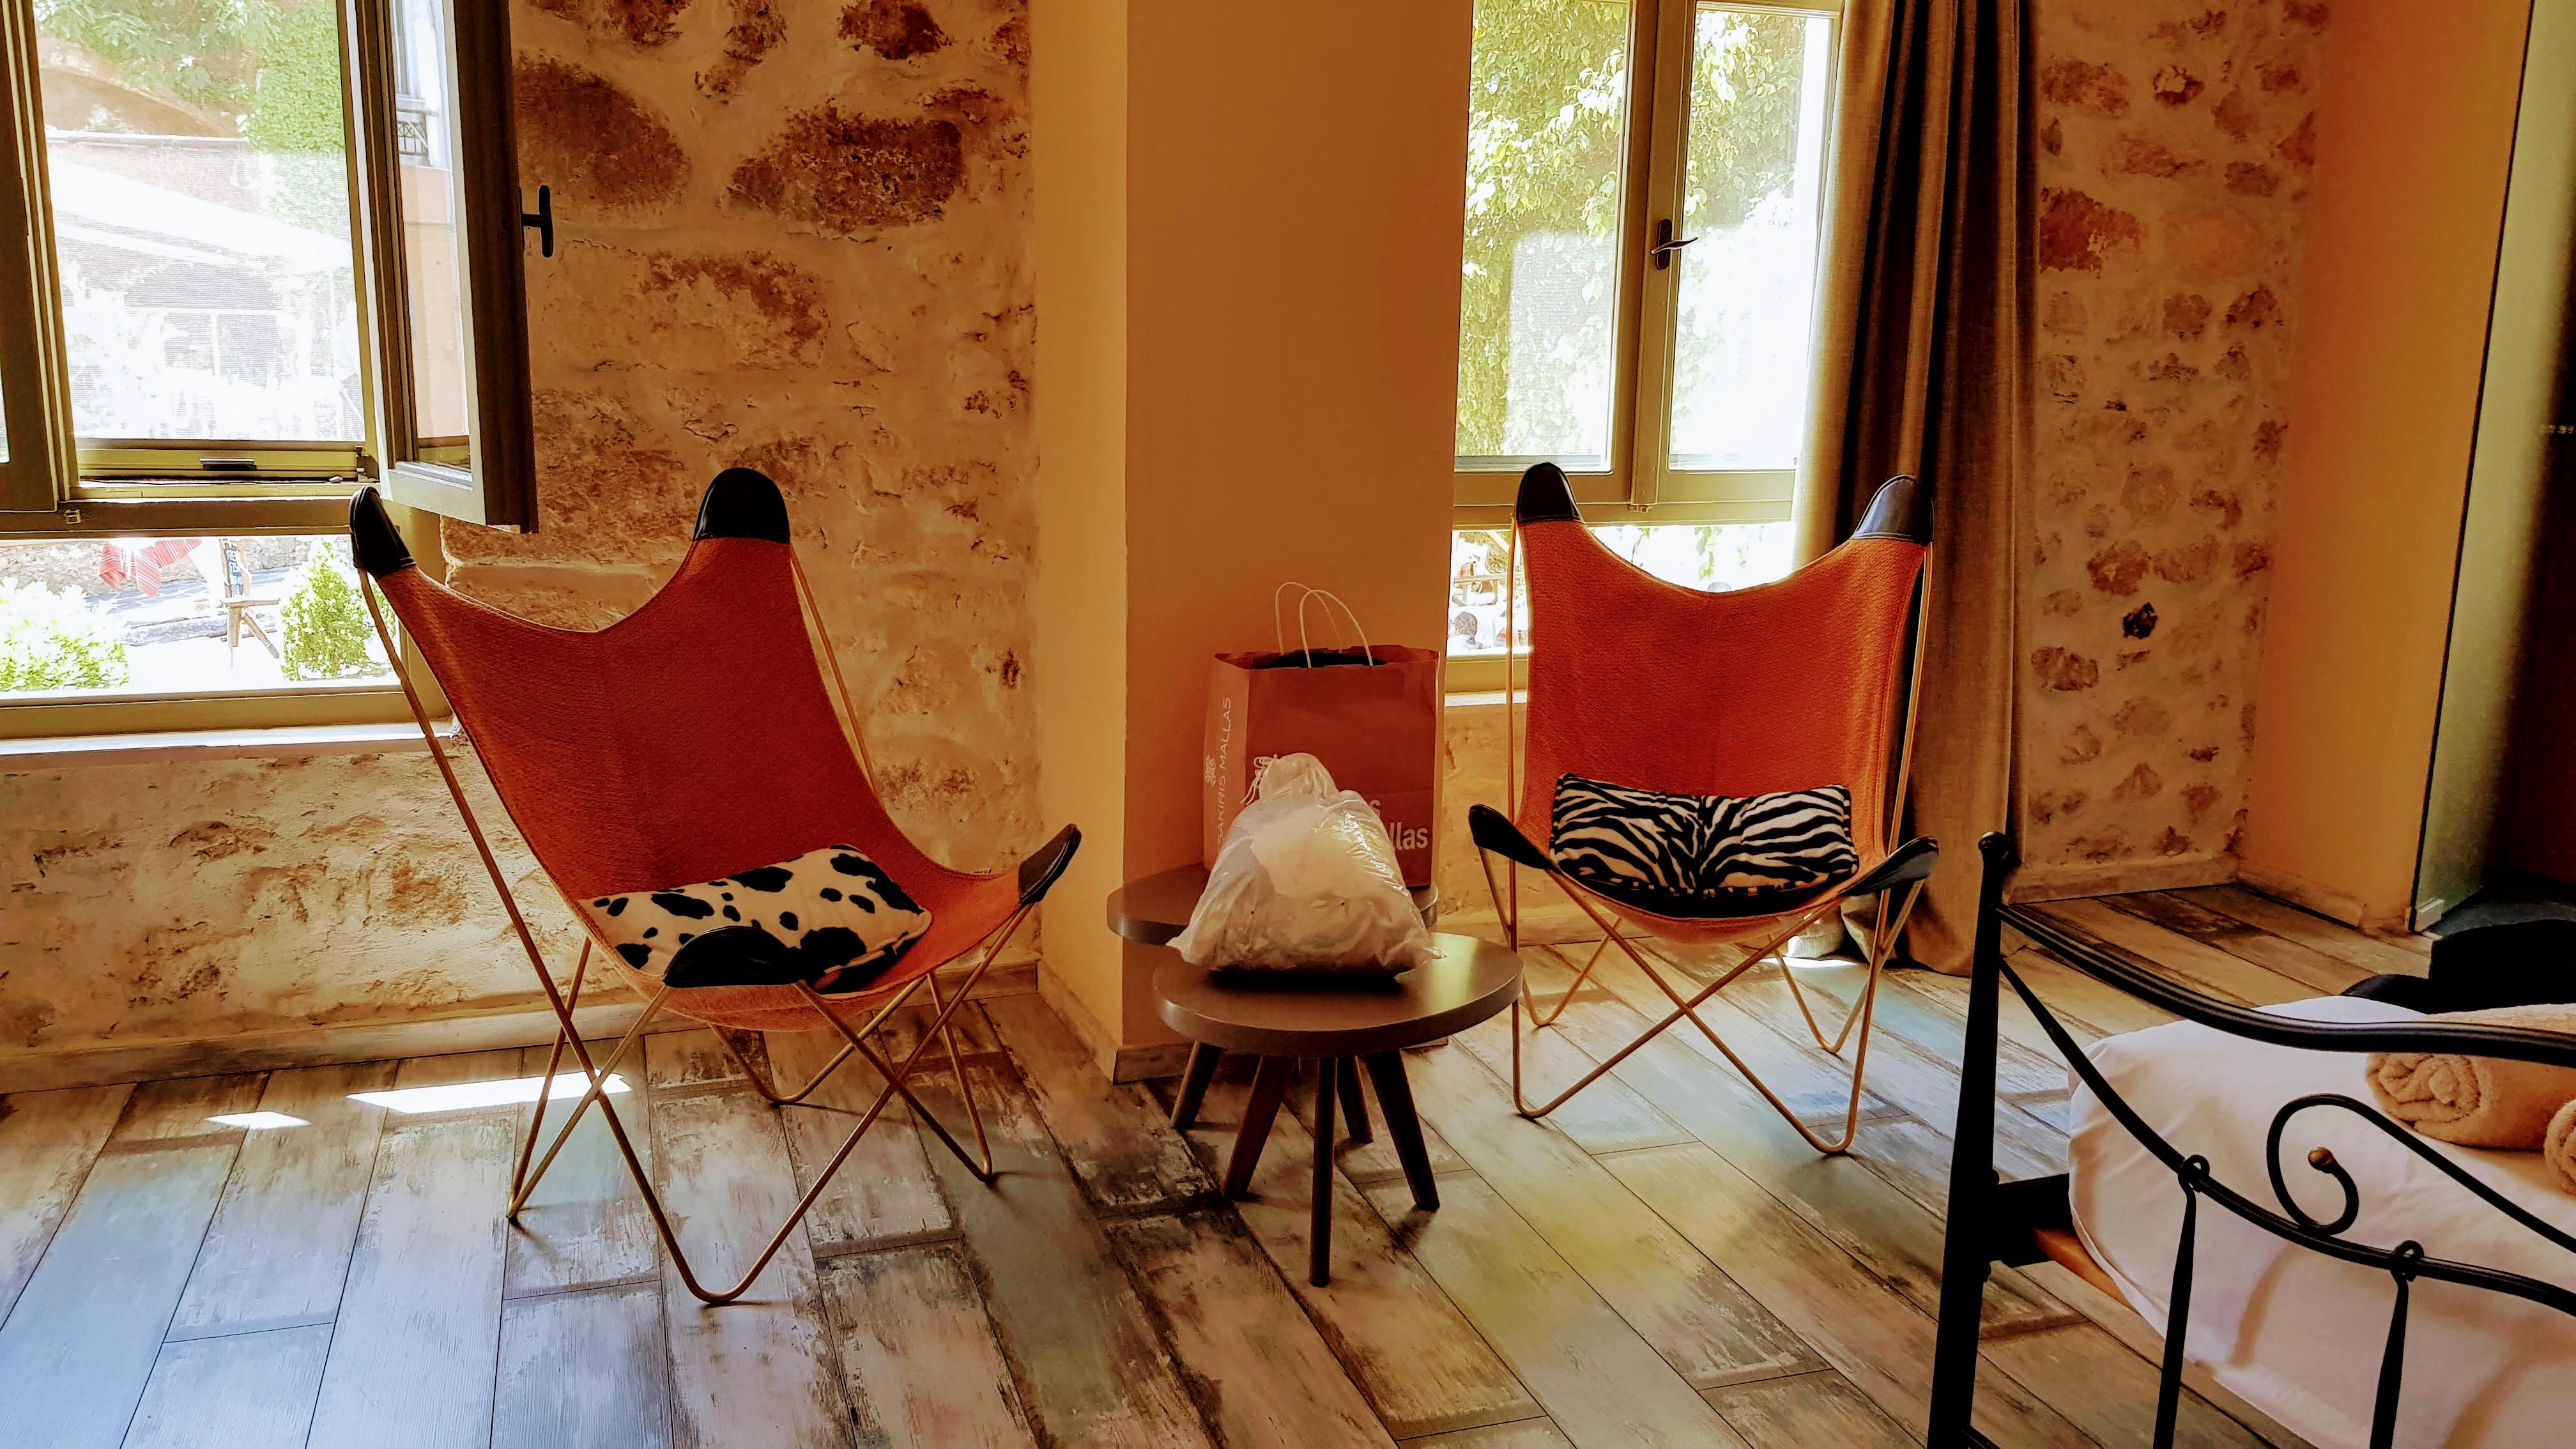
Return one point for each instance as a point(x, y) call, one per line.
point(1665, 245)
point(543, 219)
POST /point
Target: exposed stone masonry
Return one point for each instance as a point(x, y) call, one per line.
point(2176, 143)
point(831, 284)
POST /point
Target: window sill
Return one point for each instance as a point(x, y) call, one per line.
point(58, 751)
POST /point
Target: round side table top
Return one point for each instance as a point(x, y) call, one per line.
point(1154, 909)
point(1467, 981)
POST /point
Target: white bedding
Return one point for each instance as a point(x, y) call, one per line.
point(2295, 1333)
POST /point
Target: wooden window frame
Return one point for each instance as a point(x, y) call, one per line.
point(1640, 485)
point(499, 486)
point(54, 484)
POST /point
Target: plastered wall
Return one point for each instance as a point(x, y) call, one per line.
point(2400, 276)
point(1251, 234)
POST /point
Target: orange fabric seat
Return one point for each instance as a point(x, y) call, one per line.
point(1788, 685)
point(689, 740)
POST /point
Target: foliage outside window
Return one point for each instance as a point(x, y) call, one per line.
point(1546, 137)
point(327, 634)
point(48, 640)
point(160, 618)
point(1644, 208)
point(199, 184)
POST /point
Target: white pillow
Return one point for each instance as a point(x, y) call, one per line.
point(830, 917)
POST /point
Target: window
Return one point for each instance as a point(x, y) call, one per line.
point(1644, 209)
point(269, 250)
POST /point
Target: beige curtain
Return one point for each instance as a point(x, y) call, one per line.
point(1922, 332)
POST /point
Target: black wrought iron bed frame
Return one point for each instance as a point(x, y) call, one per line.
point(1995, 1221)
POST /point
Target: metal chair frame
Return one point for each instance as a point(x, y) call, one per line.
point(524, 1178)
point(1862, 1012)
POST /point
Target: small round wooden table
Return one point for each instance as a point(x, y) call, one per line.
point(1341, 1025)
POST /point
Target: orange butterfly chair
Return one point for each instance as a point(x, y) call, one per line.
point(691, 740)
point(1791, 685)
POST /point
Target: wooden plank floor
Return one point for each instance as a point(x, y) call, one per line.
point(1663, 1261)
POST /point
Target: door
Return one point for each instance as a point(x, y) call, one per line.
point(2520, 404)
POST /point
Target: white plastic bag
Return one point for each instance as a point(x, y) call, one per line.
point(1306, 881)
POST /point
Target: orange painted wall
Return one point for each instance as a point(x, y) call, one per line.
point(1293, 209)
point(1296, 224)
point(2412, 152)
point(1078, 141)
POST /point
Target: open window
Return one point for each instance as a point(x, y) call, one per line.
point(270, 248)
point(439, 205)
point(1645, 184)
point(252, 254)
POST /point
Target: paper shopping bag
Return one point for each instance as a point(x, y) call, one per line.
point(1371, 714)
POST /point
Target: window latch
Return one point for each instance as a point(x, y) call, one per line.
point(1665, 244)
point(543, 219)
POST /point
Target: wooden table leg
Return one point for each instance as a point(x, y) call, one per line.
point(1269, 1087)
point(1319, 1258)
point(1194, 1085)
point(1355, 1117)
point(1395, 1103)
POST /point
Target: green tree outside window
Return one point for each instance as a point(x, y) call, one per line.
point(1549, 96)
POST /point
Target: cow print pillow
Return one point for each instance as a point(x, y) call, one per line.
point(1699, 855)
point(829, 917)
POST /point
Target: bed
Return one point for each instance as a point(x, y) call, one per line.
point(2359, 1283)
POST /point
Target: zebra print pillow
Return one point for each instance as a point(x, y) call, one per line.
point(1684, 855)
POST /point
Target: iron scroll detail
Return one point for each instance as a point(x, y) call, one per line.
point(2325, 1162)
point(1993, 1221)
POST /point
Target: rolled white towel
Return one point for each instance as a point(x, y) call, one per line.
point(2478, 1101)
point(2560, 1149)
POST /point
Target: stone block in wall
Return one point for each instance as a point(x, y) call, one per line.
point(598, 145)
point(618, 308)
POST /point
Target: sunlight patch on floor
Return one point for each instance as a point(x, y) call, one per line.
point(499, 1092)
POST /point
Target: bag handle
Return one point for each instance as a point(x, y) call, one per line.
point(1278, 628)
point(1279, 632)
point(1332, 601)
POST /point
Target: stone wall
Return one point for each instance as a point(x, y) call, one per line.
point(2176, 145)
point(791, 234)
point(157, 901)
